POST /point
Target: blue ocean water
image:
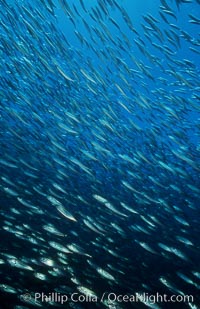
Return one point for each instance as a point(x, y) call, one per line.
point(99, 153)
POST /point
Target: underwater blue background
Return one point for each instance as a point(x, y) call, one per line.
point(99, 151)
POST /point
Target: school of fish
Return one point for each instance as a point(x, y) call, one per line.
point(99, 151)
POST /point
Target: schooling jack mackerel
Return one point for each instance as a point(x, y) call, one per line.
point(99, 154)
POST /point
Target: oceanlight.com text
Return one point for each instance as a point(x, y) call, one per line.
point(109, 298)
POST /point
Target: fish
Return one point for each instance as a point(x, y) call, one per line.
point(99, 151)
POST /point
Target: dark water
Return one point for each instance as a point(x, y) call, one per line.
point(99, 154)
